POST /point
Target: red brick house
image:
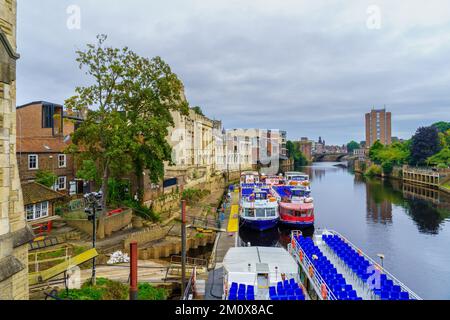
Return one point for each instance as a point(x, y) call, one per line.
point(43, 133)
point(39, 202)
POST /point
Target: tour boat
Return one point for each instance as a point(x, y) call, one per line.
point(333, 268)
point(250, 177)
point(273, 180)
point(296, 206)
point(259, 209)
point(297, 179)
point(261, 273)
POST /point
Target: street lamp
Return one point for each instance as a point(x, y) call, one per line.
point(93, 202)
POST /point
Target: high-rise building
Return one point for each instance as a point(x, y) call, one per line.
point(378, 127)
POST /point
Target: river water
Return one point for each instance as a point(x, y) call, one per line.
point(410, 225)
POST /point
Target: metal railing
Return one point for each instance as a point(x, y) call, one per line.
point(189, 292)
point(196, 262)
point(308, 267)
point(373, 262)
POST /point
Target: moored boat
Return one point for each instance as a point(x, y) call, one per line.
point(333, 268)
point(261, 273)
point(259, 209)
point(296, 206)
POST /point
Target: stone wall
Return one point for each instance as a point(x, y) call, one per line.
point(105, 225)
point(14, 233)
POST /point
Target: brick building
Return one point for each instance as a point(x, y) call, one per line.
point(378, 127)
point(43, 133)
point(14, 232)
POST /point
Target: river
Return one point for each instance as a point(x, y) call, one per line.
point(410, 225)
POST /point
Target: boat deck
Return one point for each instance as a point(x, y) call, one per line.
point(338, 270)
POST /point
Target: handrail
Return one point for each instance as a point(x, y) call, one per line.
point(316, 279)
point(382, 269)
point(190, 285)
point(190, 261)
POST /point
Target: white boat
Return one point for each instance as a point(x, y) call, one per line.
point(259, 209)
point(249, 177)
point(261, 273)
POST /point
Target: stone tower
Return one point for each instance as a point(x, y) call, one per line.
point(14, 232)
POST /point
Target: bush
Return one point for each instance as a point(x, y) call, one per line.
point(106, 289)
point(373, 170)
point(387, 167)
point(147, 292)
point(194, 195)
point(142, 211)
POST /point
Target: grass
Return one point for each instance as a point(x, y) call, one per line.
point(106, 289)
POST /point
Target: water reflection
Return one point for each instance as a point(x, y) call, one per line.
point(428, 208)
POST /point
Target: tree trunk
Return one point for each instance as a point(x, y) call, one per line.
point(105, 179)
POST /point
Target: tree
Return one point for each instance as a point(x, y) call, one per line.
point(295, 154)
point(88, 172)
point(198, 110)
point(442, 126)
point(46, 178)
point(374, 151)
point(352, 145)
point(441, 159)
point(129, 104)
point(425, 143)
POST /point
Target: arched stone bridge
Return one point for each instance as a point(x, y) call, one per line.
point(329, 157)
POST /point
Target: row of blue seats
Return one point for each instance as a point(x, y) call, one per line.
point(241, 292)
point(363, 269)
point(334, 281)
point(286, 290)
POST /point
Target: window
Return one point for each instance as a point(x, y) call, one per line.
point(33, 162)
point(62, 160)
point(61, 183)
point(47, 116)
point(36, 211)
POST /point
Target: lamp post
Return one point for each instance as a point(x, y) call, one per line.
point(93, 201)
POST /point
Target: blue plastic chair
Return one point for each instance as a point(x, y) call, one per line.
point(395, 295)
point(404, 296)
point(385, 295)
point(272, 291)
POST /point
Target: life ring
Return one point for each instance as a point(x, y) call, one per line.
point(324, 291)
point(301, 256)
point(311, 271)
point(360, 252)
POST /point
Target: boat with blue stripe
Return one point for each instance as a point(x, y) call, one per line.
point(335, 269)
point(259, 209)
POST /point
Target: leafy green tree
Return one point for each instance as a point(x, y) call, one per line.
point(88, 172)
point(46, 178)
point(128, 104)
point(425, 143)
point(375, 150)
point(198, 110)
point(441, 159)
point(442, 126)
point(352, 146)
point(295, 154)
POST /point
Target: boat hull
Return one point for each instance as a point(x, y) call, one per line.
point(296, 222)
point(259, 225)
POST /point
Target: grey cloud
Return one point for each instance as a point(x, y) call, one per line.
point(311, 69)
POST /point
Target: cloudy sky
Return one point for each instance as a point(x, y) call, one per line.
point(312, 68)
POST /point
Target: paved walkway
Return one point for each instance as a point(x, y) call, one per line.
point(225, 241)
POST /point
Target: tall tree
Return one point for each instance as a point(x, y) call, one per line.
point(128, 109)
point(352, 146)
point(425, 143)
